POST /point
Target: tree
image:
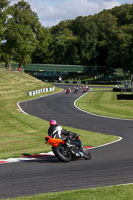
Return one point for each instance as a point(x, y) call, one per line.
point(121, 49)
point(20, 33)
point(123, 13)
point(86, 30)
point(44, 49)
point(3, 6)
point(3, 14)
point(88, 42)
point(65, 47)
point(106, 24)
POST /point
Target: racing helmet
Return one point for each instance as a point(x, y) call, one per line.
point(53, 122)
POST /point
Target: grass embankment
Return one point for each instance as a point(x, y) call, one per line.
point(123, 192)
point(19, 133)
point(106, 104)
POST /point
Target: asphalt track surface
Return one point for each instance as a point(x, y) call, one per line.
point(110, 165)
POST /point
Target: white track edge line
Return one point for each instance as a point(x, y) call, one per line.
point(102, 145)
point(120, 138)
point(32, 100)
point(20, 159)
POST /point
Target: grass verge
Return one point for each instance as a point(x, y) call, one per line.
point(123, 192)
point(105, 103)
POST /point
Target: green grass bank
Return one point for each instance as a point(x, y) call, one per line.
point(105, 103)
point(123, 192)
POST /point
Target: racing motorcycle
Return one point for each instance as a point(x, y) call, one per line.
point(66, 149)
point(76, 89)
point(68, 91)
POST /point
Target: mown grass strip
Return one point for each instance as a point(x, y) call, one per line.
point(123, 192)
point(105, 103)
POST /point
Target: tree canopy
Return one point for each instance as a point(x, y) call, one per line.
point(20, 33)
point(103, 39)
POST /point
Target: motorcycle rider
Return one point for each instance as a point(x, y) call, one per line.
point(75, 89)
point(56, 131)
point(68, 90)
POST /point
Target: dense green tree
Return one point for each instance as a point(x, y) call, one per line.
point(65, 51)
point(60, 27)
point(20, 33)
point(123, 13)
point(44, 49)
point(3, 15)
point(120, 48)
point(106, 24)
point(105, 38)
point(88, 41)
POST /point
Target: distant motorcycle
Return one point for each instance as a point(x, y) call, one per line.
point(85, 88)
point(68, 90)
point(66, 149)
point(76, 89)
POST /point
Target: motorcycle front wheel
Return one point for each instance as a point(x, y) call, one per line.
point(87, 155)
point(62, 153)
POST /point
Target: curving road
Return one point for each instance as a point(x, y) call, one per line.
point(110, 165)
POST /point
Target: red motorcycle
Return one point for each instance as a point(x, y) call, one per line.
point(68, 90)
point(66, 149)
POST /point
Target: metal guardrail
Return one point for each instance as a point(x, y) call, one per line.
point(39, 91)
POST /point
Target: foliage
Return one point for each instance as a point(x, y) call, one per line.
point(3, 14)
point(65, 47)
point(120, 50)
point(20, 33)
point(104, 39)
point(44, 51)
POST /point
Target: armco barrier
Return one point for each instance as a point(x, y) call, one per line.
point(33, 93)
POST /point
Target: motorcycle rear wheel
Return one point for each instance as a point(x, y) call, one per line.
point(62, 153)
